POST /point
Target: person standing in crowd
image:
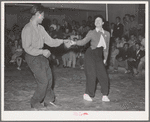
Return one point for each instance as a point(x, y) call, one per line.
point(114, 51)
point(89, 21)
point(112, 25)
point(127, 25)
point(118, 29)
point(134, 27)
point(33, 38)
point(94, 62)
point(141, 64)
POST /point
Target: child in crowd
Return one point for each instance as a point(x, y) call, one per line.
point(16, 57)
point(65, 56)
point(118, 42)
point(66, 34)
point(140, 38)
point(73, 55)
point(132, 40)
point(80, 57)
point(17, 51)
point(113, 53)
point(123, 41)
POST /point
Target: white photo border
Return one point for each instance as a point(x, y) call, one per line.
point(69, 115)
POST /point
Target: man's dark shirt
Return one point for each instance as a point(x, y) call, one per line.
point(124, 54)
point(118, 30)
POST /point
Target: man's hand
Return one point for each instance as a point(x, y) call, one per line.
point(46, 53)
point(72, 42)
point(67, 41)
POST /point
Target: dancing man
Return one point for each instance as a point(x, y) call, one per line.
point(33, 38)
point(94, 62)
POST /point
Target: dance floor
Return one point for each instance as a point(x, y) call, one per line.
point(126, 92)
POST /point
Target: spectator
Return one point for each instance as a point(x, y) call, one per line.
point(73, 24)
point(140, 38)
point(73, 51)
point(132, 42)
point(46, 24)
point(17, 52)
point(121, 58)
point(67, 25)
point(89, 21)
point(113, 53)
point(65, 58)
point(66, 34)
point(133, 25)
point(52, 30)
point(118, 42)
point(127, 25)
point(11, 36)
point(81, 58)
point(141, 64)
point(112, 30)
point(133, 62)
point(123, 41)
point(83, 28)
point(118, 29)
point(58, 32)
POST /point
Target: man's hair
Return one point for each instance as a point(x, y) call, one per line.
point(37, 8)
point(118, 18)
point(126, 44)
point(138, 43)
point(127, 15)
point(100, 16)
point(132, 16)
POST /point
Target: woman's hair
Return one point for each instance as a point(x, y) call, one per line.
point(37, 8)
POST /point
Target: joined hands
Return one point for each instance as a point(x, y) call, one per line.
point(69, 43)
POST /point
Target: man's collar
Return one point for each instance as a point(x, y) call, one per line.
point(99, 30)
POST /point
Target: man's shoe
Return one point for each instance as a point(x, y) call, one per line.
point(87, 97)
point(52, 104)
point(105, 98)
point(127, 71)
point(18, 68)
point(37, 106)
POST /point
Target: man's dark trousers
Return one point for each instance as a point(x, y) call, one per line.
point(95, 69)
point(39, 65)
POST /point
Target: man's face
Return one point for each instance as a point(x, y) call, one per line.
point(127, 17)
point(117, 20)
point(140, 37)
point(40, 17)
point(132, 37)
point(67, 30)
point(98, 22)
point(131, 18)
point(137, 47)
point(123, 39)
point(126, 46)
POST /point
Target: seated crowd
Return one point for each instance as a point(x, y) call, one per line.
point(127, 44)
